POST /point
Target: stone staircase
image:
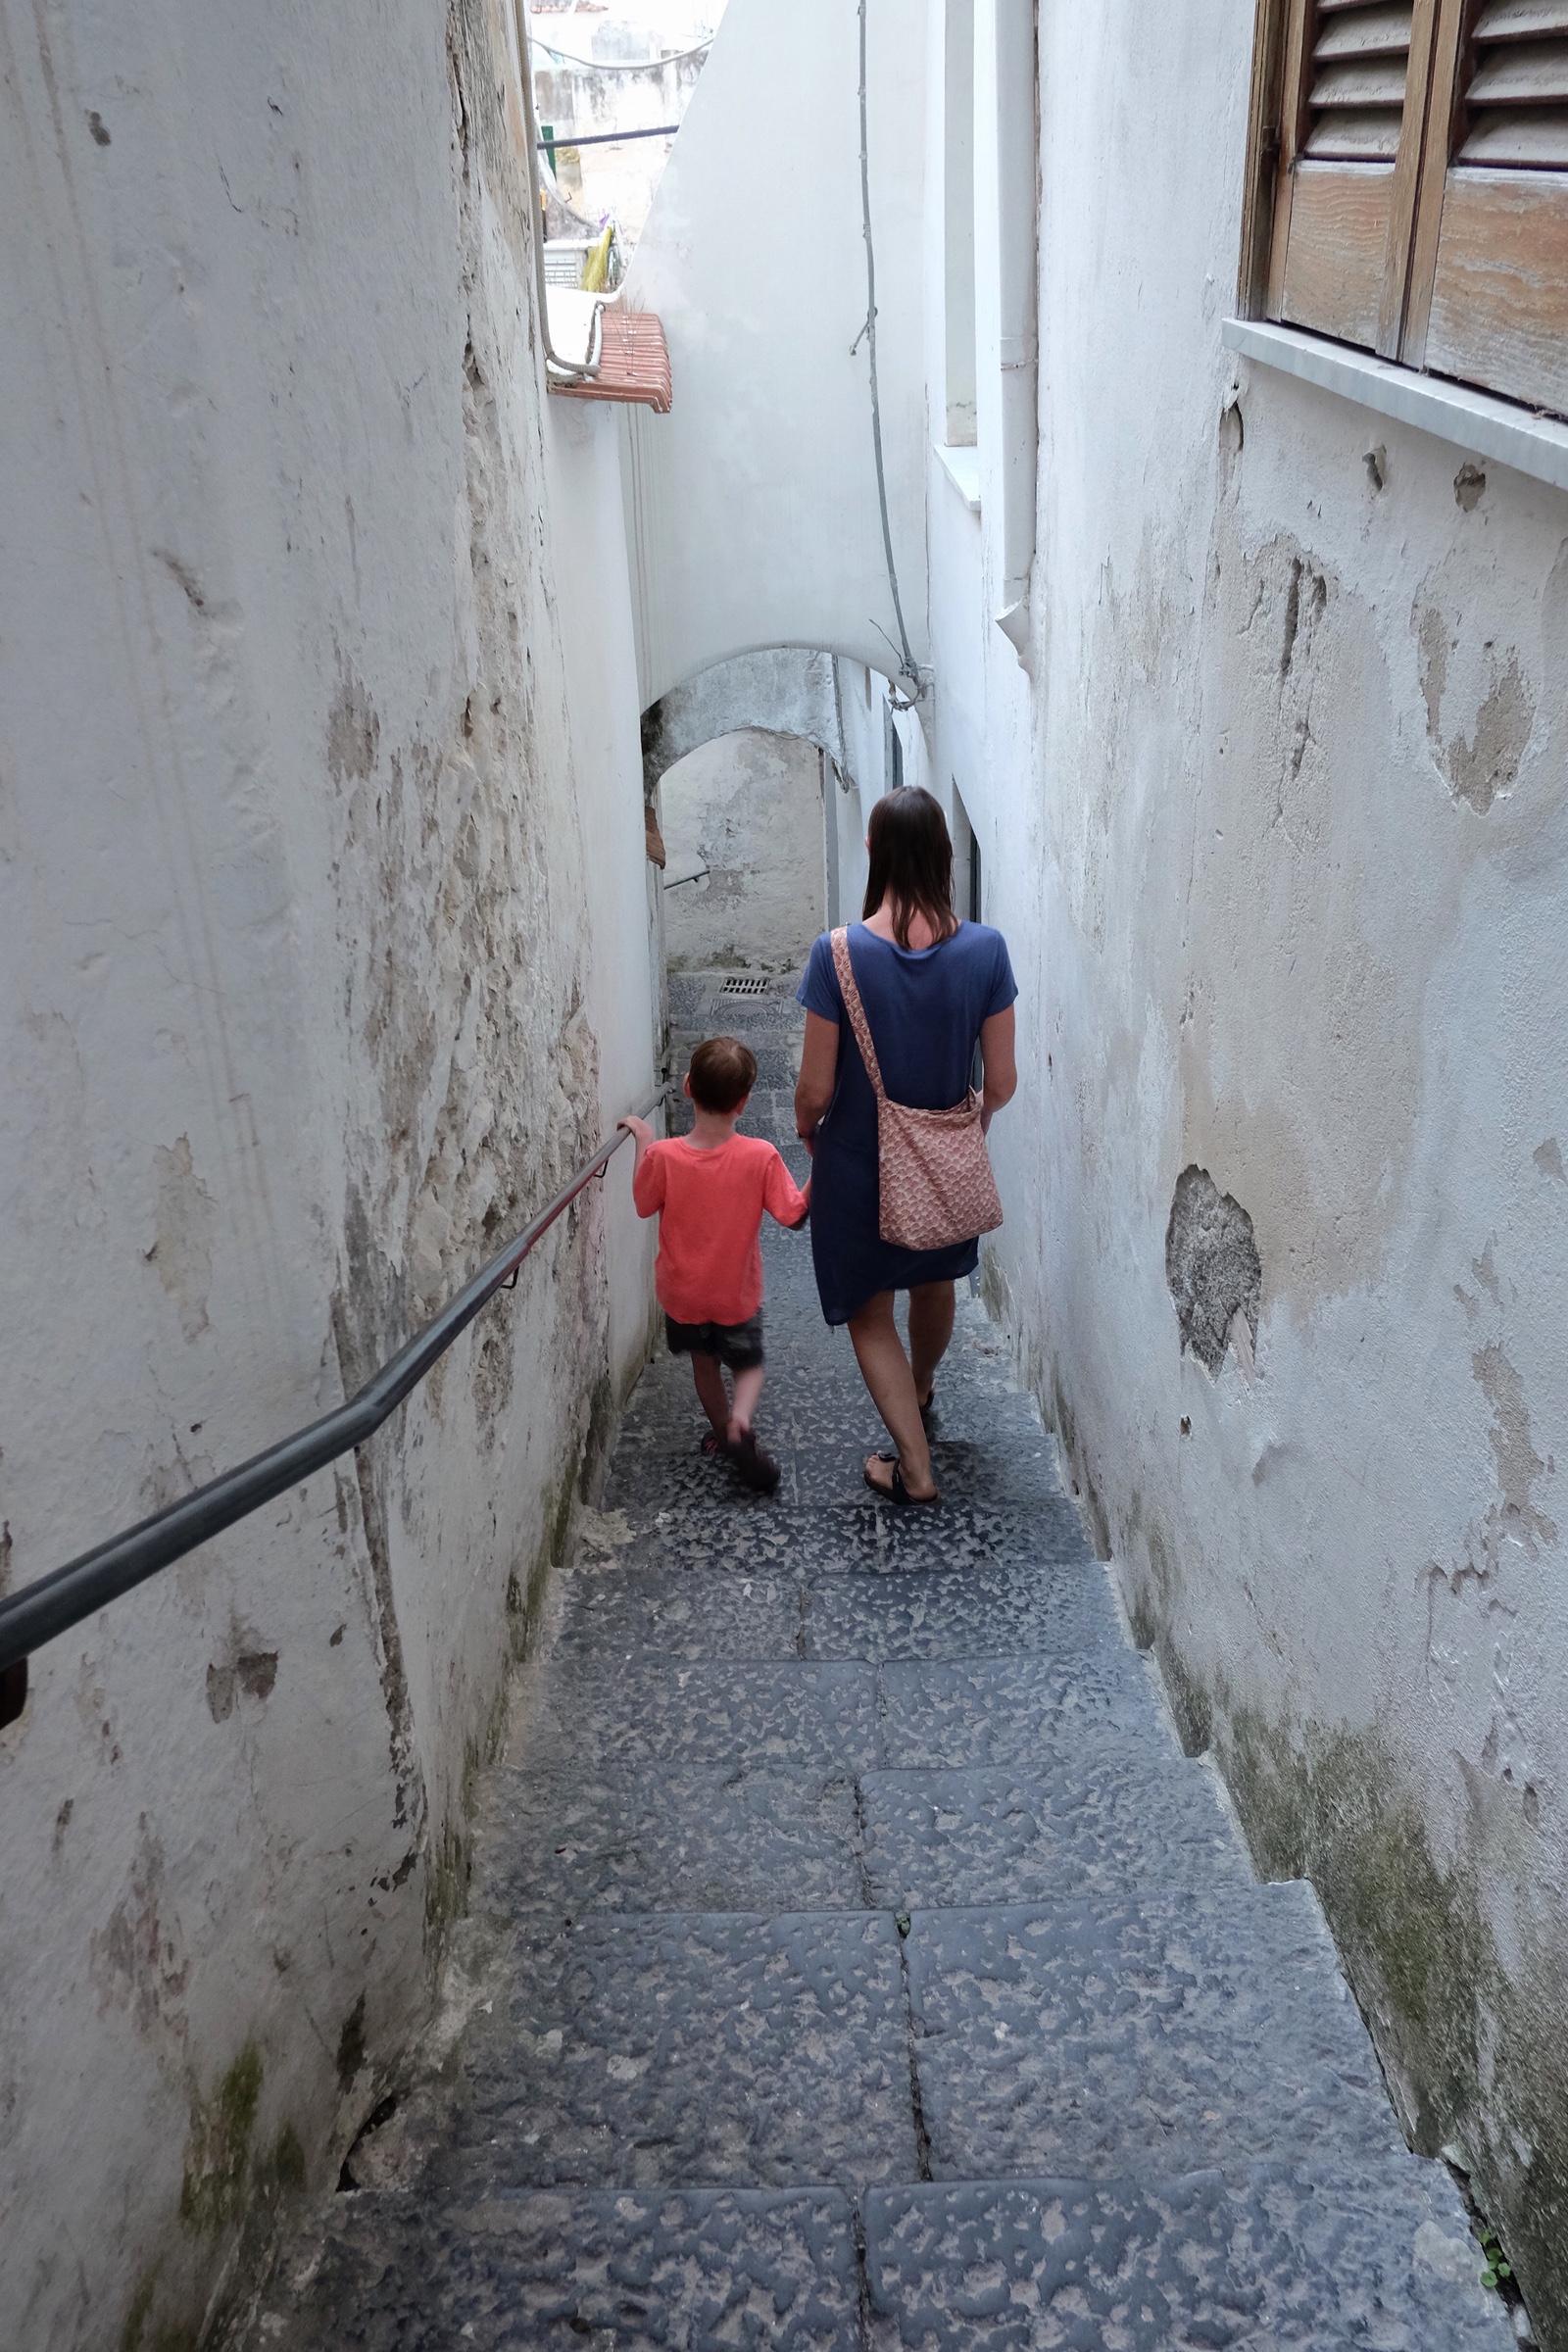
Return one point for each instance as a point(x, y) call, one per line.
point(856, 1960)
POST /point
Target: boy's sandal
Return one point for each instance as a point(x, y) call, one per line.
point(898, 1492)
point(715, 1443)
point(753, 1466)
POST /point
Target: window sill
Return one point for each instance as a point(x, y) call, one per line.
point(1472, 420)
point(963, 469)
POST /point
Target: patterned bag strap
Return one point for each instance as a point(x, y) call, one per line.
point(850, 989)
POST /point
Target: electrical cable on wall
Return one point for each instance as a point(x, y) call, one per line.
point(869, 332)
point(606, 64)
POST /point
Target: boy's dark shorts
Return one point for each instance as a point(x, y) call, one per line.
point(737, 1345)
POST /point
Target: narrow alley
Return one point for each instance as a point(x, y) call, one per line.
point(502, 503)
point(855, 1959)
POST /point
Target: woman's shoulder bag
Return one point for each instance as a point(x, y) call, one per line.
point(936, 1183)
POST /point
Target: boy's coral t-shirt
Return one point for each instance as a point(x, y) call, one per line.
point(709, 1207)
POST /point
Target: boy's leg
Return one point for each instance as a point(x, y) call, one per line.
point(748, 1389)
point(753, 1467)
point(711, 1394)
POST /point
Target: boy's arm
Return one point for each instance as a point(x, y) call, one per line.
point(647, 1191)
point(642, 1135)
point(783, 1199)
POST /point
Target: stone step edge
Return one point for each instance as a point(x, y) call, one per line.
point(561, 1656)
point(1320, 2172)
point(1235, 1891)
point(567, 1654)
point(1112, 1744)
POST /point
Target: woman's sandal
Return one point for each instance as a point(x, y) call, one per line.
point(898, 1492)
point(928, 1411)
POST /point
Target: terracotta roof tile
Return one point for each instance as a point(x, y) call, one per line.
point(634, 363)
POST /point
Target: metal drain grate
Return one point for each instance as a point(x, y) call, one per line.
point(744, 986)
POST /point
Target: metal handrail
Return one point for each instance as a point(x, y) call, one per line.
point(55, 1602)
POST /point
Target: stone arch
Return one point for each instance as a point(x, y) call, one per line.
point(820, 697)
point(785, 691)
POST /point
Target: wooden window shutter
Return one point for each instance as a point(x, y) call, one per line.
point(1355, 82)
point(1489, 299)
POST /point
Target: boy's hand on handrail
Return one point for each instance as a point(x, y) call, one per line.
point(642, 1135)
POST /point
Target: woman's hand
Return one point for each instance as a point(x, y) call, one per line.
point(819, 1066)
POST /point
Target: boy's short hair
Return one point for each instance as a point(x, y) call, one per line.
point(723, 1073)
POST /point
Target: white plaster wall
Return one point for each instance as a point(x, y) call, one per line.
point(1278, 840)
point(749, 806)
point(752, 505)
point(318, 742)
point(977, 724)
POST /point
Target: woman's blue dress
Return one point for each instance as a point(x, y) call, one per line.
point(925, 1009)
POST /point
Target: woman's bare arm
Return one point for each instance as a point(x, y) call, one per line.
point(998, 1060)
point(820, 1062)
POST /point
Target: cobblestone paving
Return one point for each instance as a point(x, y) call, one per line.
point(856, 1962)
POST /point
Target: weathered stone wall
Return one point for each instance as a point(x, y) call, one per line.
point(1283, 876)
point(749, 806)
point(308, 708)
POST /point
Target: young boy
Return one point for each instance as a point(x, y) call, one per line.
point(709, 1190)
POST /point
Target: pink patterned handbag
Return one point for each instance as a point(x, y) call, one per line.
point(936, 1182)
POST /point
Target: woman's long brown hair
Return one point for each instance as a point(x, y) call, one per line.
point(912, 863)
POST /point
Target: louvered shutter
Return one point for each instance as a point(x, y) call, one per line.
point(1490, 300)
point(1356, 85)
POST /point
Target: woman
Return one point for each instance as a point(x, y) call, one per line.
point(932, 988)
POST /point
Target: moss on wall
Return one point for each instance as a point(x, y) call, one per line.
point(218, 2152)
point(1469, 2045)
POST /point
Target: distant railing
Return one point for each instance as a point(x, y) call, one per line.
point(42, 1611)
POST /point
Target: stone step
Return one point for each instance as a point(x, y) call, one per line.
point(1316, 2256)
point(692, 2049)
point(820, 1441)
point(931, 1715)
point(1077, 2039)
point(838, 1609)
point(974, 1403)
point(1103, 1820)
point(806, 1401)
point(696, 997)
point(1101, 2035)
point(682, 2270)
point(718, 1533)
point(558, 1845)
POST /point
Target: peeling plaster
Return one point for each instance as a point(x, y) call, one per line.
point(183, 1252)
point(1519, 1465)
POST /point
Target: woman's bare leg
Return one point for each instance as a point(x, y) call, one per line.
point(885, 1369)
point(931, 1312)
